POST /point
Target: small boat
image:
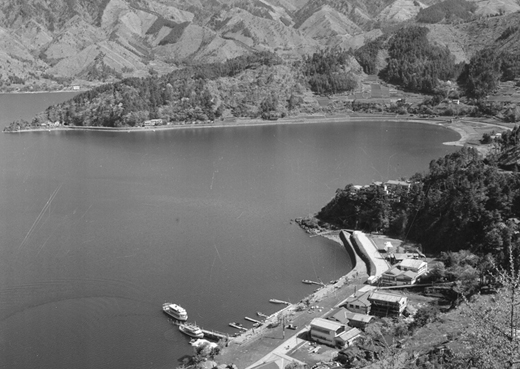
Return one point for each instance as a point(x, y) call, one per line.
point(175, 311)
point(191, 330)
point(276, 301)
point(262, 314)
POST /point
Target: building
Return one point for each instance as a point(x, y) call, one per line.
point(348, 337)
point(405, 273)
point(387, 247)
point(333, 333)
point(398, 257)
point(387, 304)
point(358, 302)
point(153, 122)
point(276, 360)
point(398, 277)
point(326, 331)
point(393, 184)
point(417, 266)
point(356, 320)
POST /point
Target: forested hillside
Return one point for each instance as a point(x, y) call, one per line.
point(412, 63)
point(487, 68)
point(447, 11)
point(461, 202)
point(256, 85)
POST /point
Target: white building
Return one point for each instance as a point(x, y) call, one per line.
point(417, 266)
point(332, 333)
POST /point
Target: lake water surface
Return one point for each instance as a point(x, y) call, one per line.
point(98, 229)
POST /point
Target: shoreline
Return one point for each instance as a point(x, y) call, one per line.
point(257, 345)
point(465, 128)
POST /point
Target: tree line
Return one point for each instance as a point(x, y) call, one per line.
point(449, 10)
point(462, 202)
point(325, 71)
point(182, 95)
point(418, 66)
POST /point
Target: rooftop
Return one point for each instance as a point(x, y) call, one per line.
point(412, 263)
point(359, 298)
point(349, 334)
point(326, 324)
point(387, 297)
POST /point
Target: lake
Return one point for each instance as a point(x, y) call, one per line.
point(100, 228)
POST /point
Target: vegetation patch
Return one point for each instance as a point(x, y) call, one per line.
point(448, 11)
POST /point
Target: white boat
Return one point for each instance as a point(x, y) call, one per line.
point(191, 330)
point(175, 311)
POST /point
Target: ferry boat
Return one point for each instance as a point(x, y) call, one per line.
point(191, 330)
point(175, 311)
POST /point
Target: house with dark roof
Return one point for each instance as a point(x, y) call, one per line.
point(398, 277)
point(405, 273)
point(358, 302)
point(342, 315)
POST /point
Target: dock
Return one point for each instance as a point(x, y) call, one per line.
point(238, 326)
point(253, 320)
point(209, 334)
point(214, 335)
point(276, 301)
point(306, 281)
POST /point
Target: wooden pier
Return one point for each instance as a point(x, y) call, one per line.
point(276, 301)
point(238, 326)
point(209, 334)
point(214, 335)
point(253, 320)
point(306, 281)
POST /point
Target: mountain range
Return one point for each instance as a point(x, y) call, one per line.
point(51, 44)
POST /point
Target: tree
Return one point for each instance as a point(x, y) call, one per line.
point(493, 334)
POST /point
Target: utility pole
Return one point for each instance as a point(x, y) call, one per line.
point(283, 327)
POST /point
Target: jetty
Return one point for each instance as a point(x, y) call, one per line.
point(276, 301)
point(262, 315)
point(306, 281)
point(253, 320)
point(209, 334)
point(237, 326)
point(214, 335)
